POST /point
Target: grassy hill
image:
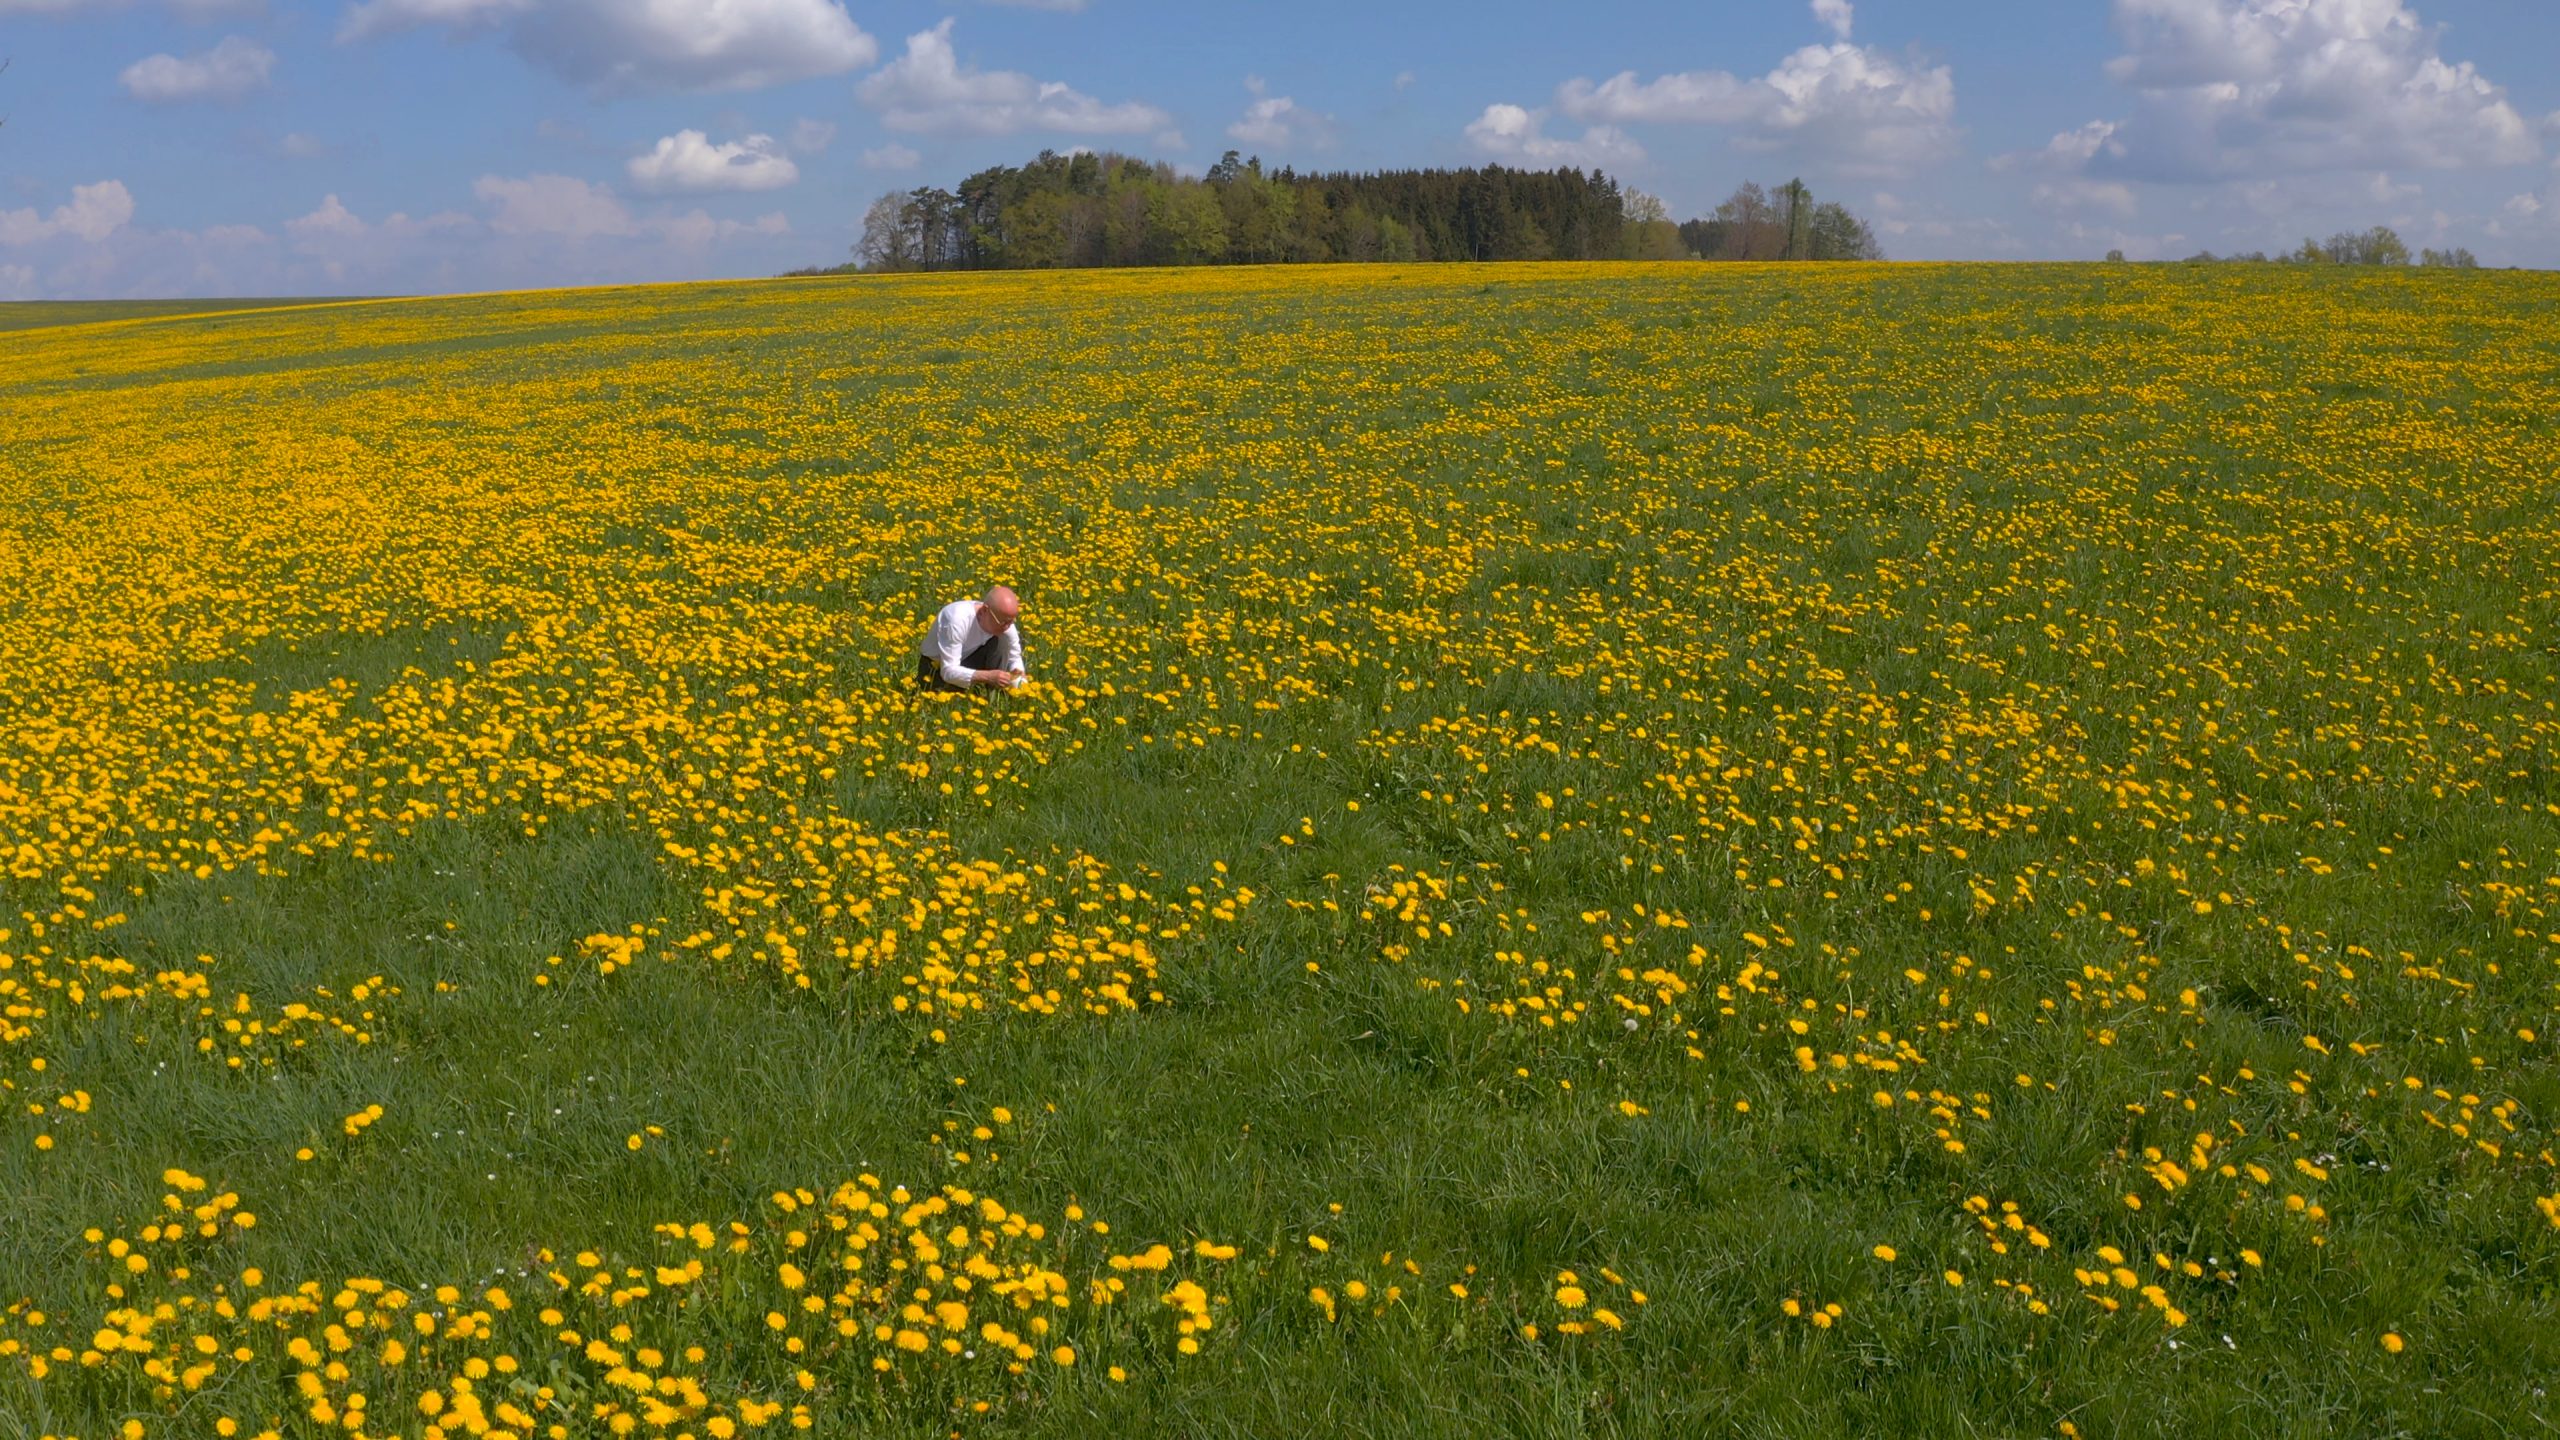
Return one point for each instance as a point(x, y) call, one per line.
point(1603, 850)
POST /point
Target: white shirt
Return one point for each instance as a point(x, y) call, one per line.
point(956, 632)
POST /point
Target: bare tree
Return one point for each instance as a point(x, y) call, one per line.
point(886, 242)
point(1751, 227)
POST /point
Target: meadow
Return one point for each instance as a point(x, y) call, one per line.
point(1593, 851)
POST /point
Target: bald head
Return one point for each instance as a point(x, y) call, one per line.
point(1000, 608)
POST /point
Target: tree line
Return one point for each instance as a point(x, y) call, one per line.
point(2380, 245)
point(1090, 209)
point(1787, 224)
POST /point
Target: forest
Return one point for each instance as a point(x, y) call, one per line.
point(1090, 210)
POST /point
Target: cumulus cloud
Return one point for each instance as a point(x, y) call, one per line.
point(1929, 228)
point(695, 232)
point(2532, 208)
point(376, 17)
point(566, 209)
point(1274, 121)
point(1835, 15)
point(892, 156)
point(695, 44)
point(928, 90)
point(2111, 196)
point(2250, 89)
point(96, 211)
point(619, 46)
point(560, 206)
point(687, 162)
point(1853, 106)
point(344, 244)
point(1509, 132)
point(2070, 151)
point(229, 70)
point(532, 231)
point(537, 230)
point(330, 220)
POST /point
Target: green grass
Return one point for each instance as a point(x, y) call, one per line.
point(1939, 557)
point(48, 314)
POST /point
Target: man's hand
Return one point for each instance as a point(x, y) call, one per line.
point(1003, 679)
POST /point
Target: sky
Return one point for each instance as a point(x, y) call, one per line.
point(329, 147)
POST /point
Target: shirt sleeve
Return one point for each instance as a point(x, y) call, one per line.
point(947, 649)
point(1013, 650)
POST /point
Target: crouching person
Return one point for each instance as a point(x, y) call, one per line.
point(973, 642)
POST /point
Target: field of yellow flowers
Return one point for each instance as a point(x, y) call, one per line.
point(1592, 851)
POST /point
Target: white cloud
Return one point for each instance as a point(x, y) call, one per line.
point(2111, 196)
point(618, 46)
point(561, 206)
point(330, 221)
point(696, 44)
point(891, 156)
point(928, 90)
point(2070, 151)
point(229, 70)
point(1836, 15)
point(1508, 132)
point(687, 162)
point(1928, 229)
point(346, 247)
point(2246, 89)
point(695, 232)
point(1856, 107)
point(812, 137)
point(2532, 208)
point(1274, 121)
point(2383, 190)
point(194, 10)
point(376, 17)
point(537, 231)
point(2098, 239)
point(96, 211)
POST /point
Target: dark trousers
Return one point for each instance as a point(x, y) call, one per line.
point(988, 656)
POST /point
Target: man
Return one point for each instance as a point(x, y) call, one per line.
point(973, 642)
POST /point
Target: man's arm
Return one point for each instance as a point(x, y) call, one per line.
point(1013, 651)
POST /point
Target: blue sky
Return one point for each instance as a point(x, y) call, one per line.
point(213, 147)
